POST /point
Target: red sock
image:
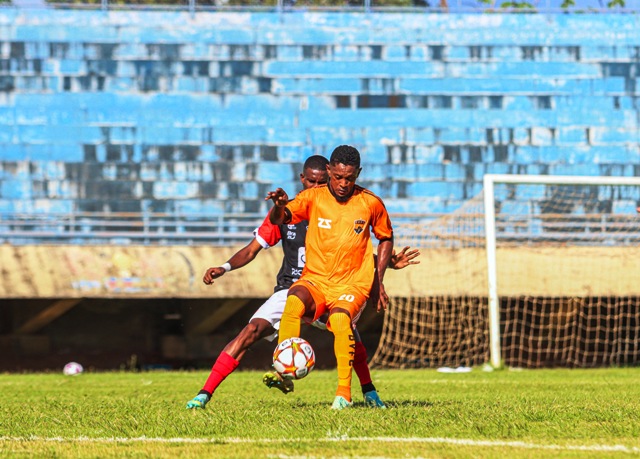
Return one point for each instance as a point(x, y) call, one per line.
point(360, 364)
point(224, 366)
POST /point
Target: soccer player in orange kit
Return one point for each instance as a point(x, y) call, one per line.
point(266, 321)
point(340, 269)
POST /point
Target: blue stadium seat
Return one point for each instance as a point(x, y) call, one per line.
point(444, 190)
point(175, 190)
point(15, 189)
point(376, 173)
point(427, 204)
point(275, 172)
point(373, 154)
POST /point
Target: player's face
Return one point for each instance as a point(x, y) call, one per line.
point(312, 178)
point(342, 180)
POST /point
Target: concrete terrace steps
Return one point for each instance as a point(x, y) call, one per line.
point(163, 110)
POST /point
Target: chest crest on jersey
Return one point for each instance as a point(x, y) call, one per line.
point(358, 226)
point(324, 223)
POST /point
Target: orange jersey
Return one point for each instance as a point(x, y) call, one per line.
point(338, 243)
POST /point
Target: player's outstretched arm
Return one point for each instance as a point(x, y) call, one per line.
point(400, 260)
point(280, 200)
point(403, 259)
point(242, 257)
point(385, 249)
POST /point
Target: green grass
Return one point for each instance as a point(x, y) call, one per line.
point(555, 413)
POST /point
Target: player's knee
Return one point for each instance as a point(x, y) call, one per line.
point(253, 332)
point(294, 307)
point(248, 335)
point(339, 322)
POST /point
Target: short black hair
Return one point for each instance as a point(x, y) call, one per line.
point(316, 163)
point(347, 155)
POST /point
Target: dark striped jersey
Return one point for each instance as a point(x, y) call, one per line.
point(292, 237)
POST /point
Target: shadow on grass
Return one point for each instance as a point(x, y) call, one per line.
point(359, 405)
point(390, 404)
point(400, 404)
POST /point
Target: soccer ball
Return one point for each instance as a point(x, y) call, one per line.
point(294, 358)
point(72, 368)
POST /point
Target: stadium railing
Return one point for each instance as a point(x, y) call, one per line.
point(126, 228)
point(144, 229)
point(232, 229)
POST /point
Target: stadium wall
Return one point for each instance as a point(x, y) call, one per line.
point(128, 272)
point(202, 114)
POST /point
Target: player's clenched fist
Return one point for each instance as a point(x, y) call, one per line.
point(279, 197)
point(213, 273)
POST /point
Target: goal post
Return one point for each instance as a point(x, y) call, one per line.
point(532, 271)
point(489, 182)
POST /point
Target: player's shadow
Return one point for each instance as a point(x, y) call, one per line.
point(359, 405)
point(398, 404)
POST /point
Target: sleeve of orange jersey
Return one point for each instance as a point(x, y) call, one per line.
point(299, 207)
point(380, 221)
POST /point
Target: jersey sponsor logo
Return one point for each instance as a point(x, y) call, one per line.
point(324, 223)
point(302, 257)
point(296, 272)
point(358, 226)
point(291, 235)
point(291, 227)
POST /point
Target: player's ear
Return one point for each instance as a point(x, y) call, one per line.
point(302, 178)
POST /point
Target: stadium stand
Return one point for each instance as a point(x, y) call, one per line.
point(173, 116)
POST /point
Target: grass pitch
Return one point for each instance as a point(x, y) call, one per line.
point(536, 413)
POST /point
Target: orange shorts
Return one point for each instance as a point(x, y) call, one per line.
point(330, 296)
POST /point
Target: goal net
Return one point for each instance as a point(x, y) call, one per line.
point(548, 276)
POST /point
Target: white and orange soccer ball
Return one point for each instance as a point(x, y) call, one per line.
point(294, 358)
point(72, 368)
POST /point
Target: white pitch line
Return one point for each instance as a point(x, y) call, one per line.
point(433, 440)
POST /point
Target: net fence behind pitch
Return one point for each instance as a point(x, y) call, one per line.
point(568, 266)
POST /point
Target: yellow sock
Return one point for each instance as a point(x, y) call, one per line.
point(344, 347)
point(290, 321)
